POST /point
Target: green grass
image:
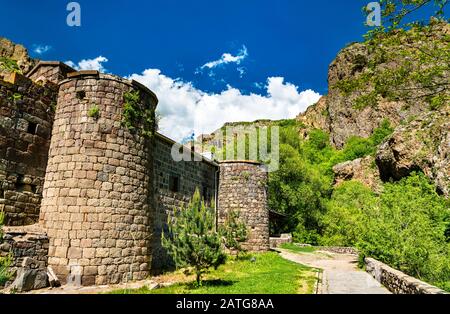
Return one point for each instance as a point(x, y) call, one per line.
point(268, 274)
point(298, 249)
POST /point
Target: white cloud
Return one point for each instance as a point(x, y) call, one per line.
point(227, 58)
point(41, 49)
point(89, 64)
point(185, 108)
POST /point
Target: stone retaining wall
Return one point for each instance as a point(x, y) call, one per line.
point(23, 242)
point(398, 282)
point(338, 250)
point(279, 241)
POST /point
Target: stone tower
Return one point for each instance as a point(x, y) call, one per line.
point(97, 199)
point(243, 188)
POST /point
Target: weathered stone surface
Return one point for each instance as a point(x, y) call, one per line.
point(26, 119)
point(191, 175)
point(124, 201)
point(344, 120)
point(363, 170)
point(423, 144)
point(18, 53)
point(243, 188)
point(28, 247)
point(315, 117)
point(29, 279)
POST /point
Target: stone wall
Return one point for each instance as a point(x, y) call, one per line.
point(52, 71)
point(338, 250)
point(398, 282)
point(26, 118)
point(279, 241)
point(190, 175)
point(23, 242)
point(97, 199)
point(243, 188)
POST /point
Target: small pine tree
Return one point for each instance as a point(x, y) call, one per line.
point(234, 232)
point(192, 239)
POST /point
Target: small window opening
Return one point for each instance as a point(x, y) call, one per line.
point(32, 128)
point(174, 184)
point(81, 95)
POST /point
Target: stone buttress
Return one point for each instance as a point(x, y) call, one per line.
point(97, 199)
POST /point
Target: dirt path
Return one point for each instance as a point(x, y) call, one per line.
point(340, 273)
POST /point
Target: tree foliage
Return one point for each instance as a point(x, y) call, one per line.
point(395, 11)
point(407, 62)
point(192, 239)
point(404, 227)
point(234, 232)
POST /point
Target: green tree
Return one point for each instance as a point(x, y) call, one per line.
point(407, 230)
point(343, 221)
point(405, 226)
point(298, 190)
point(234, 232)
point(395, 11)
point(192, 239)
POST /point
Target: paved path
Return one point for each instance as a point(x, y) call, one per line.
point(340, 273)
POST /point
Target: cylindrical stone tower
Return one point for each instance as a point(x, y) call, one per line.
point(243, 188)
point(97, 198)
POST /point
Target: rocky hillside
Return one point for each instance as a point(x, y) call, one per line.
point(394, 78)
point(14, 57)
point(405, 79)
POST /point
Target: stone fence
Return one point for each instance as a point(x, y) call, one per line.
point(338, 250)
point(279, 241)
point(398, 282)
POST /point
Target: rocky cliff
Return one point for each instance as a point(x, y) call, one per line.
point(14, 57)
point(315, 117)
point(423, 145)
point(396, 77)
point(404, 78)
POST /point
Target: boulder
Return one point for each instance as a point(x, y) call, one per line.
point(29, 279)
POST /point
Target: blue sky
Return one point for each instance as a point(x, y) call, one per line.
point(217, 53)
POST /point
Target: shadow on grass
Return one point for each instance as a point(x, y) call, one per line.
point(211, 283)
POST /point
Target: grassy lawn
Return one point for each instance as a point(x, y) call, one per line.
point(268, 274)
point(297, 249)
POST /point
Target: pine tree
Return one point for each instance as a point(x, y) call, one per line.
point(234, 232)
point(192, 239)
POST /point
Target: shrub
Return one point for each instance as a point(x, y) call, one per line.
point(192, 240)
point(234, 232)
point(94, 112)
point(404, 227)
